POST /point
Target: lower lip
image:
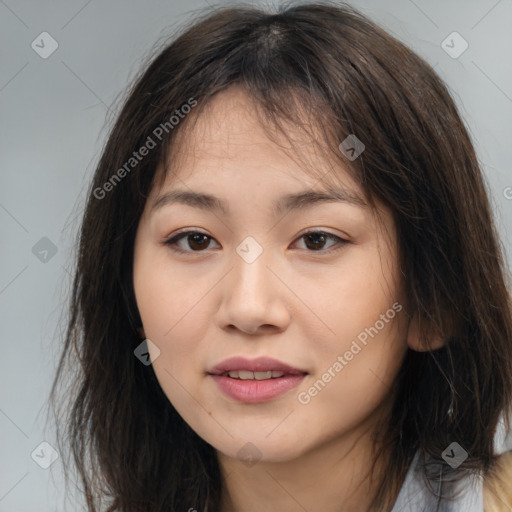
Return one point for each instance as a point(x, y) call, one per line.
point(254, 391)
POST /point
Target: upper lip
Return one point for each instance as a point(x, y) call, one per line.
point(261, 364)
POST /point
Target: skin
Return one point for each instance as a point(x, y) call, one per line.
point(299, 305)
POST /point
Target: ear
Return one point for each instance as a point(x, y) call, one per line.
point(414, 340)
point(141, 333)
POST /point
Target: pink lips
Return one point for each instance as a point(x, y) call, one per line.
point(261, 364)
point(254, 391)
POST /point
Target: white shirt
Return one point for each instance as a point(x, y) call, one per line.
point(414, 495)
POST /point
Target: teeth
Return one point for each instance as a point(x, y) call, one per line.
point(247, 375)
point(262, 375)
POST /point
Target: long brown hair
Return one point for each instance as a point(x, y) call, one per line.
point(130, 446)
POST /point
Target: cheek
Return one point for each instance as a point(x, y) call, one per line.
point(170, 312)
point(362, 322)
point(163, 295)
point(173, 307)
point(355, 378)
point(347, 305)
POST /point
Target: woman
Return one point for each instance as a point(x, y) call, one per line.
point(289, 293)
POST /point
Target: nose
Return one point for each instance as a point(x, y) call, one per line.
point(254, 297)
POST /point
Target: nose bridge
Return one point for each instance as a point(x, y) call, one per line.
point(251, 275)
point(252, 296)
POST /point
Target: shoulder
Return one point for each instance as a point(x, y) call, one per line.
point(497, 487)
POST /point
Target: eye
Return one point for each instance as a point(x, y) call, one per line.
point(315, 241)
point(197, 241)
point(194, 239)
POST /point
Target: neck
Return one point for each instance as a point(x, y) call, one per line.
point(334, 477)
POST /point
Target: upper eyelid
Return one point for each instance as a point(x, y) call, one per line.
point(188, 231)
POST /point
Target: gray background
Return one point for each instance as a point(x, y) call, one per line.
point(54, 114)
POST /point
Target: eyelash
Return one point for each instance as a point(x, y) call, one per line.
point(171, 242)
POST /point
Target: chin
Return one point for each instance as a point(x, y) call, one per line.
point(257, 448)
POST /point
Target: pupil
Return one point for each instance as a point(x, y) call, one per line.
point(313, 236)
point(196, 239)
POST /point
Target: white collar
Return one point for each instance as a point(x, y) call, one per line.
point(414, 495)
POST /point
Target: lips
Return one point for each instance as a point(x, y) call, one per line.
point(257, 380)
point(261, 364)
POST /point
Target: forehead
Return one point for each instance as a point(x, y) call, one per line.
point(231, 135)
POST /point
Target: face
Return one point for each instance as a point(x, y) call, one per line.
point(314, 286)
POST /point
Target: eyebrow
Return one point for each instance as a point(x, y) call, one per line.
point(286, 203)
